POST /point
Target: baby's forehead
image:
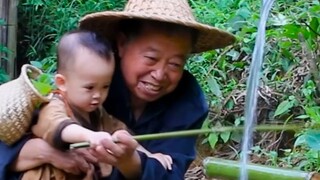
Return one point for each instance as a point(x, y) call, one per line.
point(69, 40)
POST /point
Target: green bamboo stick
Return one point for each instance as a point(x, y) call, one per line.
point(228, 169)
point(195, 132)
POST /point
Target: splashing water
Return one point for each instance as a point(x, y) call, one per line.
point(252, 87)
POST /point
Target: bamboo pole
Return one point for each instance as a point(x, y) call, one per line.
point(196, 132)
point(12, 37)
point(8, 35)
point(228, 169)
point(3, 30)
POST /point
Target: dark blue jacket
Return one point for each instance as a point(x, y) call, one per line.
point(183, 109)
point(7, 156)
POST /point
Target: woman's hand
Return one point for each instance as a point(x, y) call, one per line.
point(128, 145)
point(117, 151)
point(85, 152)
point(121, 153)
point(37, 152)
point(70, 161)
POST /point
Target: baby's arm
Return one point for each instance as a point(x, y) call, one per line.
point(164, 159)
point(75, 133)
point(56, 127)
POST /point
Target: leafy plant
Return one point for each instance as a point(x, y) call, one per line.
point(44, 84)
point(290, 70)
point(272, 156)
point(45, 21)
point(213, 138)
point(285, 106)
point(4, 51)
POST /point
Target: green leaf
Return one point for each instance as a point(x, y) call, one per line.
point(283, 107)
point(279, 20)
point(230, 104)
point(315, 11)
point(2, 22)
point(313, 113)
point(205, 124)
point(204, 141)
point(234, 54)
point(244, 12)
point(237, 122)
point(198, 59)
point(214, 87)
point(236, 136)
point(291, 31)
point(239, 64)
point(313, 139)
point(213, 139)
point(5, 49)
point(45, 78)
point(314, 24)
point(225, 136)
point(273, 153)
point(256, 149)
point(43, 88)
point(285, 44)
point(300, 140)
point(288, 54)
point(36, 64)
point(246, 40)
point(303, 116)
point(4, 77)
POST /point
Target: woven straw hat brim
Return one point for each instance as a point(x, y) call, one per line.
point(106, 23)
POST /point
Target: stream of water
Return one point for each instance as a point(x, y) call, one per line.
point(252, 87)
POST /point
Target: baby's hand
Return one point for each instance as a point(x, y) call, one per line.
point(164, 159)
point(99, 138)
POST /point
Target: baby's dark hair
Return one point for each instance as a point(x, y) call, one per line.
point(71, 41)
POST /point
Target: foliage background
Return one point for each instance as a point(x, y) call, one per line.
point(289, 87)
point(4, 52)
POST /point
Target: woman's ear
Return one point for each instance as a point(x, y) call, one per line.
point(60, 81)
point(121, 43)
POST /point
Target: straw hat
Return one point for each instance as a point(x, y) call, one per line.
point(173, 11)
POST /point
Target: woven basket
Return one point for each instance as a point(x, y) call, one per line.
point(18, 99)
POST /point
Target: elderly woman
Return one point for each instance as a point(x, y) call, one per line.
point(151, 92)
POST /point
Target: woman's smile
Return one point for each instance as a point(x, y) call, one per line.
point(149, 89)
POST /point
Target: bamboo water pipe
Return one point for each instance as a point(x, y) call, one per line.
point(230, 170)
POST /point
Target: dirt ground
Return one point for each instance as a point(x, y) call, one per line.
point(195, 171)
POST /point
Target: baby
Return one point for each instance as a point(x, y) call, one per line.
point(75, 113)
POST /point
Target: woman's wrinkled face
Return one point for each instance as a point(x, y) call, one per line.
point(152, 63)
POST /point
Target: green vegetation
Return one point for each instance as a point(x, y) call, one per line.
point(44, 83)
point(44, 21)
point(4, 77)
point(289, 89)
point(290, 80)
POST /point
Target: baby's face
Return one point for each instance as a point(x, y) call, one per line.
point(88, 83)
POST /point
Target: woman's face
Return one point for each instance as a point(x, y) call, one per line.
point(152, 63)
